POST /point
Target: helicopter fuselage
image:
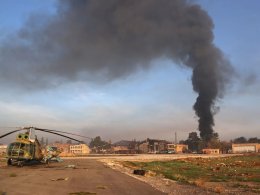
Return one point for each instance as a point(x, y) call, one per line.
point(27, 148)
point(24, 150)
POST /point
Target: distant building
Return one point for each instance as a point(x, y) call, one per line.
point(120, 149)
point(64, 148)
point(210, 151)
point(153, 146)
point(125, 147)
point(177, 148)
point(80, 149)
point(144, 147)
point(246, 148)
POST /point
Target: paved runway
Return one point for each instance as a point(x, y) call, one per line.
point(89, 176)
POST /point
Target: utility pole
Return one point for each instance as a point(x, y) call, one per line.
point(175, 137)
point(173, 141)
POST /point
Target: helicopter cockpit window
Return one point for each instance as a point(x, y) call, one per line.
point(14, 146)
point(25, 147)
point(19, 149)
point(13, 149)
point(31, 149)
point(22, 146)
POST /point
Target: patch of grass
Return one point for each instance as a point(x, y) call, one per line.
point(129, 164)
point(247, 187)
point(12, 175)
point(189, 170)
point(238, 185)
point(175, 170)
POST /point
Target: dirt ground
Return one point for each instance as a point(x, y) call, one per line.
point(173, 187)
point(176, 188)
point(87, 177)
point(98, 175)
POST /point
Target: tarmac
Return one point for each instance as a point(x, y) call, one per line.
point(73, 176)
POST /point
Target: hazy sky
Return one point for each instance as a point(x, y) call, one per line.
point(153, 102)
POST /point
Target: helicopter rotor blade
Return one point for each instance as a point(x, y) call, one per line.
point(64, 133)
point(10, 133)
point(47, 131)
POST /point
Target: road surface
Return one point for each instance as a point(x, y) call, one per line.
point(89, 176)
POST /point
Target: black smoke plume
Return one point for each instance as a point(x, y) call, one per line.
point(105, 40)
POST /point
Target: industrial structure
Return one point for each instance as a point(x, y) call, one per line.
point(246, 148)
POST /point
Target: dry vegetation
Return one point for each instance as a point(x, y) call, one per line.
point(238, 172)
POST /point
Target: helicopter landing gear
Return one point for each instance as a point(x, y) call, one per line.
point(9, 162)
point(20, 163)
point(47, 162)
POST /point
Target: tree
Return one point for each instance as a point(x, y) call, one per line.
point(214, 141)
point(97, 145)
point(97, 142)
point(193, 142)
point(182, 142)
point(193, 136)
point(253, 140)
point(240, 140)
point(225, 147)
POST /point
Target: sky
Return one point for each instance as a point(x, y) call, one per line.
point(152, 102)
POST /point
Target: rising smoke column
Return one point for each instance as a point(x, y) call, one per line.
point(106, 40)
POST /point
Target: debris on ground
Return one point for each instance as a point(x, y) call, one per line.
point(150, 173)
point(111, 164)
point(101, 187)
point(60, 179)
point(70, 166)
point(139, 172)
point(56, 159)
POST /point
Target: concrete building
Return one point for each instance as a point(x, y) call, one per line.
point(177, 148)
point(80, 149)
point(144, 147)
point(153, 146)
point(210, 151)
point(246, 148)
point(120, 149)
point(125, 147)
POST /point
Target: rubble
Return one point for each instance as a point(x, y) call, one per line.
point(150, 173)
point(139, 172)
